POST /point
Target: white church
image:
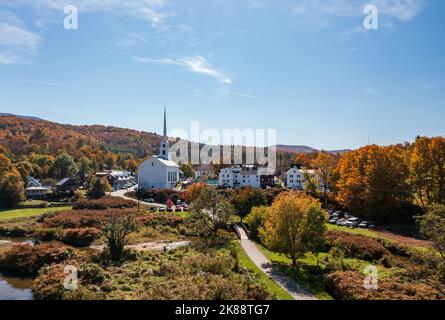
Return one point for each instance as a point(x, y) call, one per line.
point(159, 172)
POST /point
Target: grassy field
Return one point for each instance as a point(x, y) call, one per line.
point(306, 274)
point(384, 235)
point(25, 213)
point(270, 284)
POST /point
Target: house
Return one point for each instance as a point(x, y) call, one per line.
point(244, 176)
point(66, 186)
point(204, 170)
point(116, 178)
point(35, 190)
point(32, 182)
point(159, 172)
point(296, 178)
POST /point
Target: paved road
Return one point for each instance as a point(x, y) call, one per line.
point(121, 193)
point(260, 260)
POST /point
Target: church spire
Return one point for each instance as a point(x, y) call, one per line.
point(165, 123)
point(164, 143)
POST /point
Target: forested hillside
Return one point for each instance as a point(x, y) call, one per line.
point(23, 136)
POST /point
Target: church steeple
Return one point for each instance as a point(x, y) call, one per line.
point(164, 143)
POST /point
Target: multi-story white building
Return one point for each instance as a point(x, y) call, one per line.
point(296, 178)
point(245, 176)
point(204, 170)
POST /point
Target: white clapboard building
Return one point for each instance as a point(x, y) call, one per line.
point(159, 172)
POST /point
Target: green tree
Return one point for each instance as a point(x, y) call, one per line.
point(245, 199)
point(99, 187)
point(116, 231)
point(294, 225)
point(211, 211)
point(64, 166)
point(255, 220)
point(84, 169)
point(187, 169)
point(431, 270)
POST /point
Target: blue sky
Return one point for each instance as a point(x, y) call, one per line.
point(307, 68)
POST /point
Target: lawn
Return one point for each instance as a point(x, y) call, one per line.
point(307, 274)
point(384, 235)
point(31, 212)
point(270, 284)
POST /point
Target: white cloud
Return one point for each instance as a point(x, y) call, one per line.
point(403, 10)
point(17, 43)
point(149, 10)
point(196, 64)
point(239, 94)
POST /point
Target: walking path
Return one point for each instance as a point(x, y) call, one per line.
point(260, 260)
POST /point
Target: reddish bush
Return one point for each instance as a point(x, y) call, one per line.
point(26, 259)
point(348, 285)
point(159, 196)
point(155, 219)
point(357, 246)
point(80, 237)
point(76, 219)
point(104, 203)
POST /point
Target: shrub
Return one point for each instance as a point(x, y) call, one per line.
point(47, 234)
point(156, 219)
point(159, 196)
point(356, 246)
point(348, 285)
point(75, 219)
point(80, 237)
point(49, 285)
point(26, 259)
point(92, 273)
point(104, 203)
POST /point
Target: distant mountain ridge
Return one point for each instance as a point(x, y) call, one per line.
point(2, 114)
point(305, 149)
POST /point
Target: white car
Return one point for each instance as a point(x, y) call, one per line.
point(341, 222)
point(349, 215)
point(333, 221)
point(352, 223)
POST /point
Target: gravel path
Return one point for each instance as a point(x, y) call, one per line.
point(260, 260)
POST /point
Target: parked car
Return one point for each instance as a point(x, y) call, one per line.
point(349, 215)
point(152, 209)
point(136, 189)
point(169, 209)
point(178, 208)
point(337, 214)
point(185, 206)
point(366, 225)
point(352, 223)
point(162, 208)
point(341, 222)
point(333, 221)
point(149, 200)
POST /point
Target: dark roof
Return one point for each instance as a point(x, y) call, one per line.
point(62, 182)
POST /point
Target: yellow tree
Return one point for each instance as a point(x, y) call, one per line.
point(373, 181)
point(427, 170)
point(295, 225)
